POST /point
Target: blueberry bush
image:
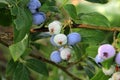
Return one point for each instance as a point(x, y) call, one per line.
point(59, 40)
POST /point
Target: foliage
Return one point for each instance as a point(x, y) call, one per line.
point(28, 56)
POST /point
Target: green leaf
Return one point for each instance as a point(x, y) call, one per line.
point(22, 22)
point(93, 18)
point(3, 4)
point(38, 35)
point(22, 19)
point(98, 1)
point(11, 66)
point(110, 11)
point(92, 50)
point(5, 17)
point(88, 71)
point(71, 10)
point(3, 1)
point(23, 3)
point(21, 73)
point(50, 8)
point(107, 63)
point(92, 37)
point(80, 50)
point(19, 48)
point(100, 76)
point(37, 66)
point(66, 30)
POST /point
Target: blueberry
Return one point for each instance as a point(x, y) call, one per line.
point(38, 18)
point(98, 59)
point(55, 57)
point(60, 39)
point(65, 53)
point(73, 38)
point(55, 27)
point(33, 11)
point(117, 59)
point(116, 76)
point(34, 4)
point(52, 40)
point(106, 51)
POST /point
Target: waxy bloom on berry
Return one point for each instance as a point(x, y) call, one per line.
point(73, 38)
point(65, 53)
point(60, 39)
point(106, 51)
point(55, 57)
point(55, 27)
point(117, 59)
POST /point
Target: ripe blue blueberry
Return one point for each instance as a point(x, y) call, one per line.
point(73, 38)
point(33, 11)
point(55, 57)
point(38, 18)
point(117, 59)
point(98, 59)
point(34, 4)
point(52, 40)
point(106, 51)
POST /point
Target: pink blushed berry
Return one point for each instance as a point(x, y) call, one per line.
point(65, 53)
point(106, 51)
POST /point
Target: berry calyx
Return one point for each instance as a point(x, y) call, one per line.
point(65, 53)
point(55, 57)
point(60, 39)
point(106, 51)
point(73, 38)
point(55, 27)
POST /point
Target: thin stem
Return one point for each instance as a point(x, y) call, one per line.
point(112, 29)
point(4, 43)
point(77, 62)
point(85, 26)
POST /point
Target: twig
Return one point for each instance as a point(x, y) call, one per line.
point(112, 29)
point(4, 43)
point(73, 63)
point(77, 62)
point(57, 65)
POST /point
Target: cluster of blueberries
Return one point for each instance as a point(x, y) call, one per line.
point(107, 51)
point(62, 42)
point(38, 17)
